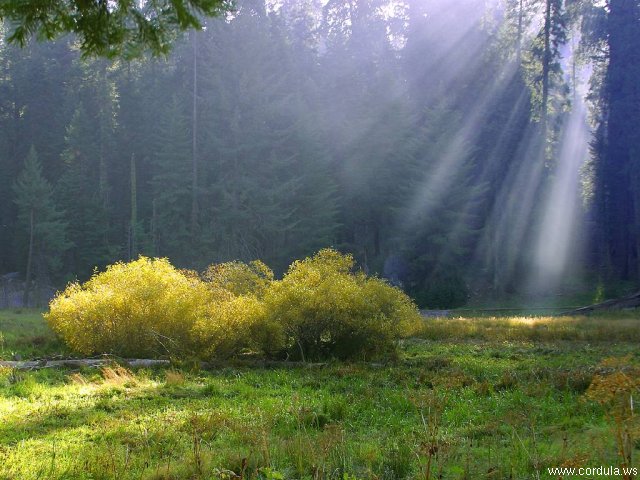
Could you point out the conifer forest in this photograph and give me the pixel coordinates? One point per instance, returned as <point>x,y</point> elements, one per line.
<point>456,148</point>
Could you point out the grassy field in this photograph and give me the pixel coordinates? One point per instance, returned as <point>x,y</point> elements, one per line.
<point>495,398</point>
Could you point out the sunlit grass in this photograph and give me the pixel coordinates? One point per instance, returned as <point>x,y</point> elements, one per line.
<point>506,395</point>
<point>620,327</point>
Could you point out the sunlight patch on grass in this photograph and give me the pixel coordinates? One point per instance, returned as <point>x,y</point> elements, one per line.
<point>522,328</point>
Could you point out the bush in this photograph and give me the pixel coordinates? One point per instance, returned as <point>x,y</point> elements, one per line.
<point>237,322</point>
<point>328,311</point>
<point>320,309</point>
<point>235,325</point>
<point>142,308</point>
<point>240,278</point>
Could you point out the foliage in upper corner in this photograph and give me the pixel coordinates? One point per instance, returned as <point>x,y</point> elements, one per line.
<point>121,28</point>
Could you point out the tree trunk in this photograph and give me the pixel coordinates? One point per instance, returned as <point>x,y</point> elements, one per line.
<point>194,138</point>
<point>618,161</point>
<point>103,182</point>
<point>27,283</point>
<point>546,64</point>
<point>154,228</point>
<point>630,301</point>
<point>133,243</point>
<point>520,23</point>
<point>376,239</point>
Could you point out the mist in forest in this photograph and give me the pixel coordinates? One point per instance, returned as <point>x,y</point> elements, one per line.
<point>461,149</point>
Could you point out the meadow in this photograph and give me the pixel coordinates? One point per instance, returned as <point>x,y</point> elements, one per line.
<point>467,398</point>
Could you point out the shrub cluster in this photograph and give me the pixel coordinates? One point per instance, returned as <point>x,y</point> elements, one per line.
<point>320,309</point>
<point>132,309</point>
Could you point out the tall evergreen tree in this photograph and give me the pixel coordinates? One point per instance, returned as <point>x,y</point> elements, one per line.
<point>171,184</point>
<point>77,193</point>
<point>618,144</point>
<point>41,221</point>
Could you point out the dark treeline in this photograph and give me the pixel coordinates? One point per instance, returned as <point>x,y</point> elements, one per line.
<point>423,137</point>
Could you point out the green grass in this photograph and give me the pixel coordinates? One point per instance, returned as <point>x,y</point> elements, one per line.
<point>472,405</point>
<point>23,333</point>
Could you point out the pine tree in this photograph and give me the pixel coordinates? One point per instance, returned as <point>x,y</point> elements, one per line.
<point>121,29</point>
<point>171,184</point>
<point>77,194</point>
<point>40,219</point>
<point>265,179</point>
<point>439,224</point>
<point>546,58</point>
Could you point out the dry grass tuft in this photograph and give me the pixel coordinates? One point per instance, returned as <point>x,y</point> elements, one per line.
<point>174,377</point>
<point>77,379</point>
<point>118,375</point>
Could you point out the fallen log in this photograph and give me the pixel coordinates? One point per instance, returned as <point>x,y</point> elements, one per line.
<point>145,363</point>
<point>80,363</point>
<point>630,301</point>
<point>435,313</point>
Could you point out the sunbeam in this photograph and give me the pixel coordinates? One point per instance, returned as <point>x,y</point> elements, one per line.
<point>556,248</point>
<point>447,165</point>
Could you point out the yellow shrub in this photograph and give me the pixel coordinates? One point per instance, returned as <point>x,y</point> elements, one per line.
<point>237,321</point>
<point>320,309</point>
<point>234,325</point>
<point>240,278</point>
<point>328,311</point>
<point>145,307</point>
